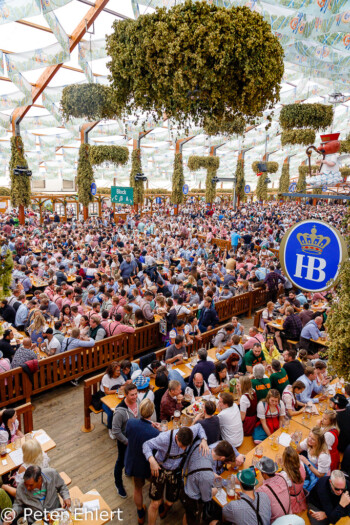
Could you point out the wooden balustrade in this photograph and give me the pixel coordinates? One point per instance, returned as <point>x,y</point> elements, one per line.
<point>59,369</point>
<point>25,417</point>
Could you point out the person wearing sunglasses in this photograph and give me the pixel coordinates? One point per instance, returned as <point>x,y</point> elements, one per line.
<point>329,500</point>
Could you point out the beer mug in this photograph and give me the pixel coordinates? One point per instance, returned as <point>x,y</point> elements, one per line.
<point>164,425</point>
<point>176,418</point>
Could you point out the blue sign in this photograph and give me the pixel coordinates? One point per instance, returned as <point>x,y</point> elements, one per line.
<point>93,189</point>
<point>158,200</point>
<point>185,189</point>
<point>324,188</point>
<point>311,253</point>
<point>247,188</point>
<point>292,187</point>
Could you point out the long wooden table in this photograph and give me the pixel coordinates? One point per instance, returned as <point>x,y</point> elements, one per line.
<point>10,465</point>
<point>98,517</point>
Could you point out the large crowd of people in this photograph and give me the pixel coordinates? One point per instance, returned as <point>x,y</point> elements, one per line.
<point>77,283</point>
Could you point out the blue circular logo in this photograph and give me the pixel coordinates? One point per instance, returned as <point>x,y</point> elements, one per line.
<point>247,188</point>
<point>292,187</point>
<point>185,189</point>
<point>311,253</point>
<point>93,188</point>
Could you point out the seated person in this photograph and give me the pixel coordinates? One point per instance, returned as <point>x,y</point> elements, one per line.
<point>172,400</point>
<point>278,378</point>
<point>199,386</point>
<point>269,350</point>
<point>253,357</point>
<point>175,352</point>
<point>260,382</point>
<point>218,381</point>
<point>271,413</point>
<point>210,422</point>
<point>317,458</point>
<point>329,500</point>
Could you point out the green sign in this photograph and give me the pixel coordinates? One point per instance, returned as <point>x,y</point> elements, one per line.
<point>120,195</point>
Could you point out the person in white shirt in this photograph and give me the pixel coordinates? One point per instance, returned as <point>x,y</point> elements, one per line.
<point>50,345</point>
<point>230,420</point>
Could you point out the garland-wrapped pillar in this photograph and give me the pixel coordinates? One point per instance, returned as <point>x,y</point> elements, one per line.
<point>283,185</point>
<point>261,189</point>
<point>20,184</point>
<point>178,175</point>
<point>177,183</point>
<point>85,177</point>
<point>240,181</point>
<point>6,267</point>
<point>136,167</point>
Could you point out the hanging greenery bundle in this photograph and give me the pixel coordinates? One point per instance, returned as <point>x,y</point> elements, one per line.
<point>20,184</point>
<point>315,116</point>
<point>226,127</point>
<point>283,185</point>
<point>345,171</point>
<point>85,176</point>
<point>117,155</point>
<point>261,188</point>
<point>136,168</point>
<point>6,267</point>
<point>338,320</point>
<point>345,145</point>
<point>240,179</point>
<point>88,101</point>
<point>178,180</point>
<point>298,136</point>
<point>156,191</point>
<point>195,61</point>
<point>5,192</point>
<point>304,168</point>
<point>272,167</point>
<point>211,164</point>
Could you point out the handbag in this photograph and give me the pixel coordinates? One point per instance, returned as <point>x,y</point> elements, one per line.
<point>33,365</point>
<point>163,327</point>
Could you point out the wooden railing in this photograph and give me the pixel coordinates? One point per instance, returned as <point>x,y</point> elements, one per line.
<point>59,369</point>
<point>25,417</point>
<point>93,384</point>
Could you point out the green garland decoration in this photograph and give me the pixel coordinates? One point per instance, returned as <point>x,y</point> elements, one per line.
<point>5,192</point>
<point>195,61</point>
<point>136,167</point>
<point>157,191</point>
<point>20,184</point>
<point>85,176</point>
<point>117,155</point>
<point>6,267</point>
<point>298,136</point>
<point>272,167</point>
<point>240,179</point>
<point>283,185</point>
<point>345,145</point>
<point>213,126</point>
<point>203,190</point>
<point>88,101</point>
<point>315,116</point>
<point>345,171</point>
<point>261,188</point>
<point>178,180</point>
<point>338,320</point>
<point>211,164</point>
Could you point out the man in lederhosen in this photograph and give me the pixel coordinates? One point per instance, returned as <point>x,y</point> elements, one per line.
<point>166,455</point>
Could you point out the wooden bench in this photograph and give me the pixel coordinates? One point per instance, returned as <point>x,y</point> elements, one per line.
<point>65,478</point>
<point>257,319</point>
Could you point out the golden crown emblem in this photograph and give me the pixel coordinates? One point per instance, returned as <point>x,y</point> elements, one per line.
<point>312,243</point>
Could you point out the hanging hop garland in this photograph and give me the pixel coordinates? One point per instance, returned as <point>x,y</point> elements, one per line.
<point>261,188</point>
<point>88,101</point>
<point>298,136</point>
<point>118,155</point>
<point>6,268</point>
<point>195,61</point>
<point>283,186</point>
<point>85,176</point>
<point>315,116</point>
<point>240,179</point>
<point>272,167</point>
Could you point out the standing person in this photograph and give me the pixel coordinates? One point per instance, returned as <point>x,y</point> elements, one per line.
<point>208,317</point>
<point>294,473</point>
<point>272,280</point>
<point>339,403</point>
<point>21,313</point>
<point>252,508</point>
<point>276,488</point>
<point>198,473</point>
<point>126,410</point>
<point>166,455</point>
<point>137,432</point>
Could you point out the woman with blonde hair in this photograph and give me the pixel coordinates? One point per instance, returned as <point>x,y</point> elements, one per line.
<point>267,316</point>
<point>248,405</point>
<point>316,457</point>
<point>329,427</point>
<point>294,473</point>
<point>33,454</point>
<point>37,327</point>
